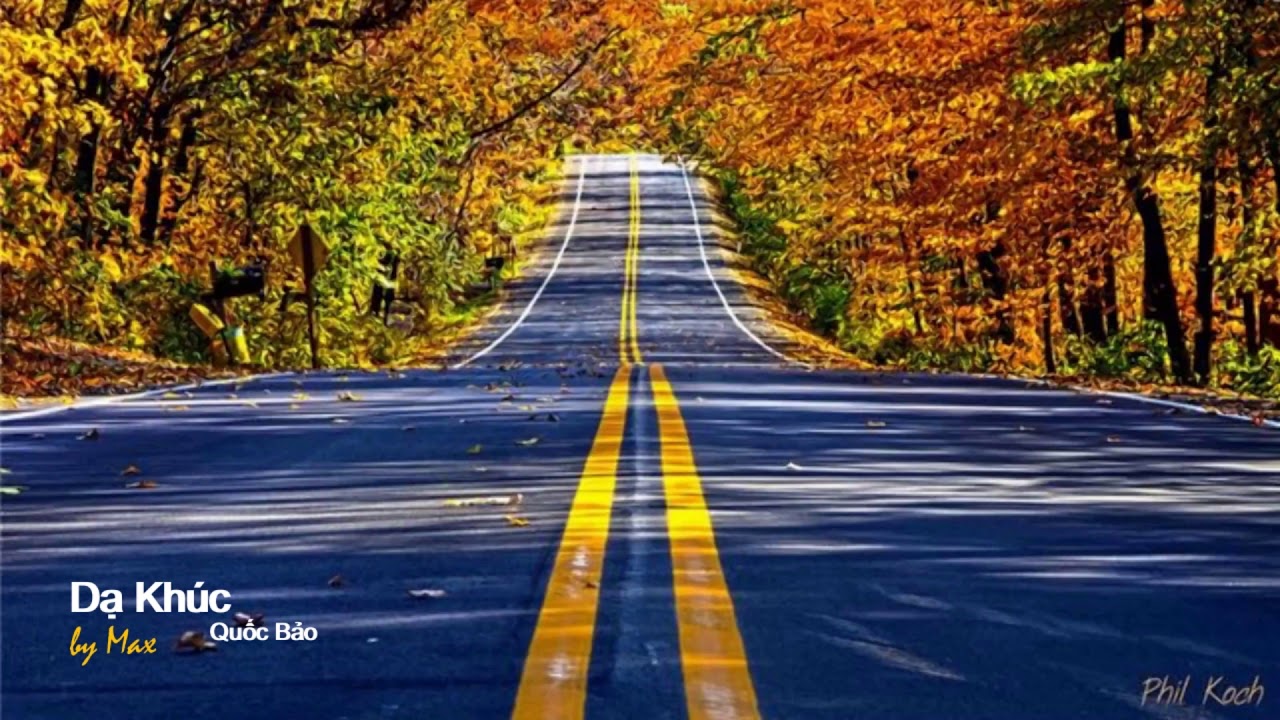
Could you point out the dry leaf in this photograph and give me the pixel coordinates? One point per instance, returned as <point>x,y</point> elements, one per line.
<point>194,641</point>
<point>131,470</point>
<point>1113,438</point>
<point>516,521</point>
<point>876,424</point>
<point>13,489</point>
<point>528,442</point>
<point>475,449</point>
<point>177,408</point>
<point>243,619</point>
<point>348,396</point>
<point>793,466</point>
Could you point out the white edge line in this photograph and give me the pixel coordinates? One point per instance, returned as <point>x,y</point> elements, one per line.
<point>1135,397</point>
<point>697,228</point>
<point>113,399</point>
<point>573,222</point>
<point>702,248</point>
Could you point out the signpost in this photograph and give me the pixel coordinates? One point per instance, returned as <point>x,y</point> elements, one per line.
<point>310,253</point>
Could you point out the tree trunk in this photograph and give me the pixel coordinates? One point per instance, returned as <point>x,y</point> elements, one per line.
<point>1110,297</point>
<point>98,89</point>
<point>154,183</point>
<point>1067,294</point>
<point>996,281</point>
<point>1046,309</point>
<point>1159,294</point>
<point>1207,228</point>
<point>1092,313</point>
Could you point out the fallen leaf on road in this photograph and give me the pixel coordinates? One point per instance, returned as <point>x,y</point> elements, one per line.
<point>295,406</point>
<point>528,442</point>
<point>194,641</point>
<point>131,470</point>
<point>516,521</point>
<point>337,581</point>
<point>300,396</point>
<point>91,434</point>
<point>348,396</point>
<point>232,396</point>
<point>876,424</point>
<point>170,396</point>
<point>177,408</point>
<point>249,403</point>
<point>427,594</point>
<point>1113,438</point>
<point>793,466</point>
<point>475,449</point>
<point>12,489</point>
<point>243,618</point>
<point>490,500</point>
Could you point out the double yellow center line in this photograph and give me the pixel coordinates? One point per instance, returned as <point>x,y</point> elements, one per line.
<point>713,659</point>
<point>628,342</point>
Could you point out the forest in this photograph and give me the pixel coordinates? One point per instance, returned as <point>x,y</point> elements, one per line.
<point>1085,189</point>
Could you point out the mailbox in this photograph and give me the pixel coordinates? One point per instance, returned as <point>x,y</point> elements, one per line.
<point>239,282</point>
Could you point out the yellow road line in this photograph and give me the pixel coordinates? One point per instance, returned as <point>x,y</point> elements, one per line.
<point>628,342</point>
<point>717,680</point>
<point>554,681</point>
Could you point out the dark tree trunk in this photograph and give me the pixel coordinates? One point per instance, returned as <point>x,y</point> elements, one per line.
<point>97,88</point>
<point>1250,322</point>
<point>1046,309</point>
<point>154,183</point>
<point>1092,313</point>
<point>996,280</point>
<point>1110,296</point>
<point>69,14</point>
<point>1159,295</point>
<point>1207,228</point>
<point>1067,294</point>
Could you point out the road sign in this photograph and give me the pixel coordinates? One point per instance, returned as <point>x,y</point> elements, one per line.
<point>306,237</point>
<point>310,252</point>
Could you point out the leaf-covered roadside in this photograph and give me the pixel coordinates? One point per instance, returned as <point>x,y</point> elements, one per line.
<point>53,368</point>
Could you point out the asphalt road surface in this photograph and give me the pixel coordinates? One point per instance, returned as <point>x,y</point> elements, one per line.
<point>704,530</point>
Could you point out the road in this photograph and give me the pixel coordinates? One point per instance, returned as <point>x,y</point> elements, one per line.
<point>705,529</point>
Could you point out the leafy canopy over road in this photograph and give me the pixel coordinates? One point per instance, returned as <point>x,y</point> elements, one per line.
<point>1073,186</point>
